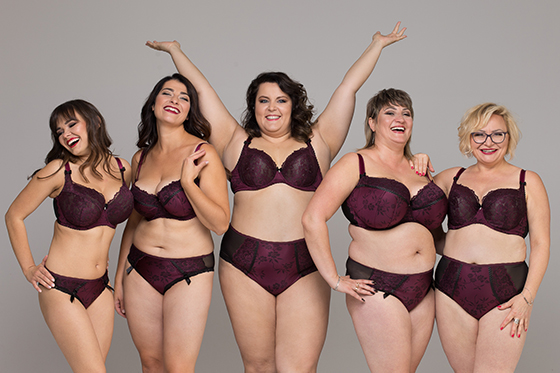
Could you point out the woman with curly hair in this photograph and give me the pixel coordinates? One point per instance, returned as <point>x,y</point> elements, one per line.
<point>277,301</point>
<point>89,187</point>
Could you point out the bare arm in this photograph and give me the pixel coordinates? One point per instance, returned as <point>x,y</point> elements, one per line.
<point>209,201</point>
<point>337,185</point>
<point>223,123</point>
<point>36,191</point>
<point>538,212</point>
<point>333,124</point>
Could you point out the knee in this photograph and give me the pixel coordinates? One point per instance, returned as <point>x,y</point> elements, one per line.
<point>260,366</point>
<point>177,367</point>
<point>151,364</point>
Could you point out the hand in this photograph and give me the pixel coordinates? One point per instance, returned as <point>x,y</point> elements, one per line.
<point>38,275</point>
<point>519,310</point>
<point>421,163</point>
<point>190,169</point>
<point>165,46</point>
<point>119,299</point>
<point>391,38</point>
<point>356,288</point>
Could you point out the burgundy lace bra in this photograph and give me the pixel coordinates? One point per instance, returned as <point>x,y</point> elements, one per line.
<point>256,170</point>
<point>504,210</point>
<point>378,203</point>
<point>79,207</point>
<point>170,202</point>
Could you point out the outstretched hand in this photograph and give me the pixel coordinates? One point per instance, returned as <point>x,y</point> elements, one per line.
<point>164,46</point>
<point>391,38</point>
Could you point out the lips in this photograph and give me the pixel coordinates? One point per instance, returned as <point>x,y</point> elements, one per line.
<point>72,142</point>
<point>397,129</point>
<point>488,151</point>
<point>272,117</point>
<point>171,109</point>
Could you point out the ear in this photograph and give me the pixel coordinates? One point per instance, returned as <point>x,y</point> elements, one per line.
<point>372,122</point>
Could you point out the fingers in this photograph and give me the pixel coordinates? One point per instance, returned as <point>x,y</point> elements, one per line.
<point>431,166</point>
<point>119,307</point>
<point>41,276</point>
<point>356,288</point>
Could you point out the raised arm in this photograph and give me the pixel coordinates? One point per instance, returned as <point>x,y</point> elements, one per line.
<point>223,123</point>
<point>334,122</point>
<point>538,212</point>
<point>36,191</point>
<point>334,189</point>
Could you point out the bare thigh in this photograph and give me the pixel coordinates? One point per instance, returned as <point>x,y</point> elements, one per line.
<point>392,339</point>
<point>144,314</point>
<point>84,336</point>
<point>185,311</point>
<point>497,350</point>
<point>458,332</point>
<point>302,318</point>
<point>252,311</point>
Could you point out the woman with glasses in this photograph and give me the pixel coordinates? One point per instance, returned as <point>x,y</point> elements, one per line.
<point>485,290</point>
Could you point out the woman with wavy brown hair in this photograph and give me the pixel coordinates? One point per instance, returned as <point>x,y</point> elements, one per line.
<point>163,284</point>
<point>89,187</point>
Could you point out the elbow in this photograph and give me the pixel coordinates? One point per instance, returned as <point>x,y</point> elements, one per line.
<point>222,225</point>
<point>308,222</point>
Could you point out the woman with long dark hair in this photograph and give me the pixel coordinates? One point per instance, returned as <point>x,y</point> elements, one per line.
<point>163,284</point>
<point>89,187</point>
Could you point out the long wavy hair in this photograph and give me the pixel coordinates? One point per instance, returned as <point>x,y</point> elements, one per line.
<point>390,96</point>
<point>302,109</point>
<point>98,138</point>
<point>195,124</point>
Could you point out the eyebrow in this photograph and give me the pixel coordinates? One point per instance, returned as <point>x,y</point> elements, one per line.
<point>172,90</point>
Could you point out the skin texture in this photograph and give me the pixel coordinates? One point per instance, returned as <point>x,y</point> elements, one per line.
<point>493,343</point>
<point>83,335</point>
<point>270,334</point>
<point>391,338</point>
<point>167,329</point>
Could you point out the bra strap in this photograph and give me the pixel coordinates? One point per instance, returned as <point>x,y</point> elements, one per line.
<point>362,165</point>
<point>456,177</point>
<point>522,182</point>
<point>142,155</point>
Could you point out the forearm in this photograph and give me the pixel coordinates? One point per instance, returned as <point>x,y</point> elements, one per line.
<point>20,243</point>
<point>213,215</point>
<point>538,263</point>
<point>317,238</point>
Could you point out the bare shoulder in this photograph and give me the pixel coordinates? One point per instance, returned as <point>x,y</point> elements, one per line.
<point>52,169</point>
<point>444,179</point>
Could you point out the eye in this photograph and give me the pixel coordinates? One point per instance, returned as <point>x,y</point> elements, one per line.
<point>282,100</point>
<point>165,93</point>
<point>185,98</point>
<point>406,114</point>
<point>479,135</point>
<point>72,124</point>
<point>263,101</point>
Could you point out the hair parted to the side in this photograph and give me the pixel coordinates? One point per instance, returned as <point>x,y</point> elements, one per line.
<point>478,117</point>
<point>302,109</point>
<point>98,138</point>
<point>195,124</point>
<point>390,96</point>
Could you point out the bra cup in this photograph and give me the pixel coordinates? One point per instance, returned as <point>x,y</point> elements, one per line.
<point>463,208</point>
<point>381,209</point>
<point>260,170</point>
<point>502,209</point>
<point>174,199</point>
<point>81,210</point>
<point>121,207</point>
<point>300,170</point>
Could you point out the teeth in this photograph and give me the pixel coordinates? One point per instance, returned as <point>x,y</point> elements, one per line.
<point>272,117</point>
<point>73,142</point>
<point>171,109</point>
<point>400,129</point>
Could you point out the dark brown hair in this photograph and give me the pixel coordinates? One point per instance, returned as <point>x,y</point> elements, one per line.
<point>302,109</point>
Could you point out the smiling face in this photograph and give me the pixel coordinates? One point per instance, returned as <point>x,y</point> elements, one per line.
<point>72,135</point>
<point>488,151</point>
<point>273,109</point>
<point>393,124</point>
<point>172,103</point>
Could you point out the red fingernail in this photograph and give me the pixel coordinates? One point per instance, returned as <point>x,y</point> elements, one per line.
<point>502,328</point>
<point>412,167</point>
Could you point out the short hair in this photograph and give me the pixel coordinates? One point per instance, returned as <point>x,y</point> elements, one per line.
<point>478,117</point>
<point>195,123</point>
<point>98,138</point>
<point>385,97</point>
<point>302,109</point>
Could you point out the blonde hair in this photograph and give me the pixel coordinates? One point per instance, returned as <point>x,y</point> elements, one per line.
<point>478,117</point>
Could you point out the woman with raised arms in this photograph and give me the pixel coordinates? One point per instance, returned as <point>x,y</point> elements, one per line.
<point>277,301</point>
<point>89,187</point>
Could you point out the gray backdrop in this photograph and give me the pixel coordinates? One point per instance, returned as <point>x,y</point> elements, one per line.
<point>457,54</point>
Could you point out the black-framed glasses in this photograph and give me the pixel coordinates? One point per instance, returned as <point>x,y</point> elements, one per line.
<point>496,137</point>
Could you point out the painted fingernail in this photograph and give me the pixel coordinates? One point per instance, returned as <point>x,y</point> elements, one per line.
<point>502,328</point>
<point>412,167</point>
